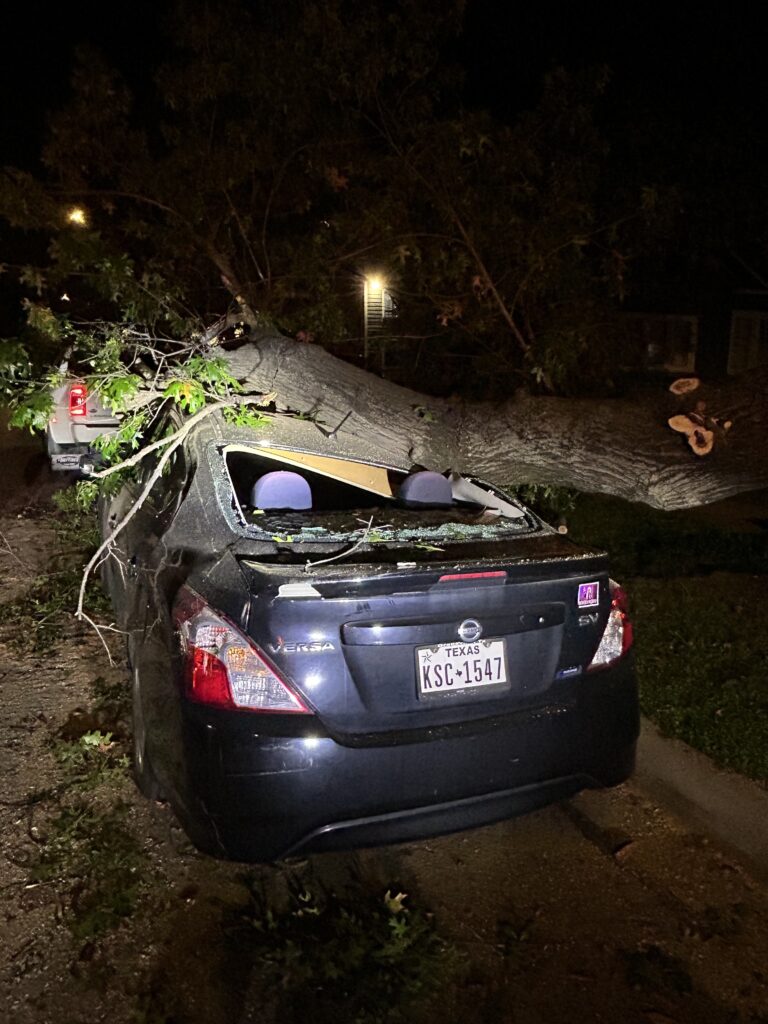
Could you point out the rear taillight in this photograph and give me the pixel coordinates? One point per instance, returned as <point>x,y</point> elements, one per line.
<point>77,396</point>
<point>222,667</point>
<point>617,636</point>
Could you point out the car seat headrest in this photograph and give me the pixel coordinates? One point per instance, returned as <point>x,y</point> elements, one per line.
<point>281,490</point>
<point>426,489</point>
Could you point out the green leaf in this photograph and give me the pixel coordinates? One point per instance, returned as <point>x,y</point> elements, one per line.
<point>394,904</point>
<point>118,392</point>
<point>32,412</point>
<point>188,394</point>
<point>245,416</point>
<point>41,318</point>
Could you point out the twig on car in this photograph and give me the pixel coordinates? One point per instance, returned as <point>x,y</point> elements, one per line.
<point>342,554</point>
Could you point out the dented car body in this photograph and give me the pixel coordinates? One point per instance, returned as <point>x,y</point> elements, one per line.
<point>329,652</point>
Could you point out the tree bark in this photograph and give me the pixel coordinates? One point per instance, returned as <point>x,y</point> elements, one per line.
<point>622,447</point>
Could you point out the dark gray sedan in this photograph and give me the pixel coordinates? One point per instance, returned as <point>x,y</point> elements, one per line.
<point>329,652</point>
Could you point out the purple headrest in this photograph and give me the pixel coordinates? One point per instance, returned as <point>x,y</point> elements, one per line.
<point>281,490</point>
<point>425,488</point>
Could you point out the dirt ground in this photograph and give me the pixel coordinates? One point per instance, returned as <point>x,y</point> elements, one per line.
<point>599,909</point>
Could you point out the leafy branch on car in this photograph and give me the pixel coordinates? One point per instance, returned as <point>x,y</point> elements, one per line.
<point>170,443</point>
<point>135,374</point>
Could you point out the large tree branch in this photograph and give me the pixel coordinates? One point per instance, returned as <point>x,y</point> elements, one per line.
<point>616,446</point>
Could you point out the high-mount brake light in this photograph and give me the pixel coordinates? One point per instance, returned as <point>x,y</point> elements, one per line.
<point>617,635</point>
<point>222,667</point>
<point>78,393</point>
<point>452,577</point>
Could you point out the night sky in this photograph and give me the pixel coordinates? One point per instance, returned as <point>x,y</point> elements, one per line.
<point>660,55</point>
<point>666,60</point>
<point>39,40</point>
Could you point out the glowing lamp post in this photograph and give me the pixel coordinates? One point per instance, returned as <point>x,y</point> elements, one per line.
<point>373,310</point>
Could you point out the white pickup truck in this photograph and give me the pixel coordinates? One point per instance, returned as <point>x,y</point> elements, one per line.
<point>78,418</point>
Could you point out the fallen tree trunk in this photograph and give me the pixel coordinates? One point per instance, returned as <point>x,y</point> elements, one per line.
<point>623,447</point>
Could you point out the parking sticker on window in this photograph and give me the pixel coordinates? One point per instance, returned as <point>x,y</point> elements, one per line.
<point>589,595</point>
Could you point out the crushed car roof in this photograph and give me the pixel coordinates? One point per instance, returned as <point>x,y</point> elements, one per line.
<point>282,431</point>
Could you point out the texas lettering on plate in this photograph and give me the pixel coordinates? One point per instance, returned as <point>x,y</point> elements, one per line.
<point>447,668</point>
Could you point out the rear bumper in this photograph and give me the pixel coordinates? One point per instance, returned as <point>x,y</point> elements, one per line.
<point>70,443</point>
<point>438,819</point>
<point>253,796</point>
<point>70,457</point>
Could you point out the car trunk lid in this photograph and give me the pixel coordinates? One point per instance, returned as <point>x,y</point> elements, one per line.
<point>349,638</point>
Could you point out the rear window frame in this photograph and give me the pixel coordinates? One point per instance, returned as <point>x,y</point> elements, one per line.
<point>229,501</point>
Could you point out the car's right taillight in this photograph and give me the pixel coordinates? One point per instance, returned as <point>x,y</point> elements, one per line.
<point>617,635</point>
<point>222,667</point>
<point>78,393</point>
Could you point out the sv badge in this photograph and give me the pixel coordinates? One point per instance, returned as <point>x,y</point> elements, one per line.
<point>588,619</point>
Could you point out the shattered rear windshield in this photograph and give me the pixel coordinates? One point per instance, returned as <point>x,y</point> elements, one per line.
<point>360,503</point>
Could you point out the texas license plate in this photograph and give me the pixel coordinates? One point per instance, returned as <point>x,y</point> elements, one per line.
<point>450,668</point>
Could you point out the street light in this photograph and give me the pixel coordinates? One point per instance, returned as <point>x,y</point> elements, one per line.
<point>76,215</point>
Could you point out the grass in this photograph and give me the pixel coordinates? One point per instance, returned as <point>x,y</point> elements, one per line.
<point>91,760</point>
<point>702,663</point>
<point>38,619</point>
<point>645,542</point>
<point>698,589</point>
<point>362,955</point>
<point>90,853</point>
<point>94,854</point>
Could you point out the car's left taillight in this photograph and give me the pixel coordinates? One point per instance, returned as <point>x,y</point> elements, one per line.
<point>222,667</point>
<point>617,635</point>
<point>78,393</point>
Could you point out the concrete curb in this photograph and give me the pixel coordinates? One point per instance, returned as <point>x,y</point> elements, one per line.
<point>727,806</point>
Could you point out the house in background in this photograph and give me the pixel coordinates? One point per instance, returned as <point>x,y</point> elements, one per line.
<point>663,342</point>
<point>726,335</point>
